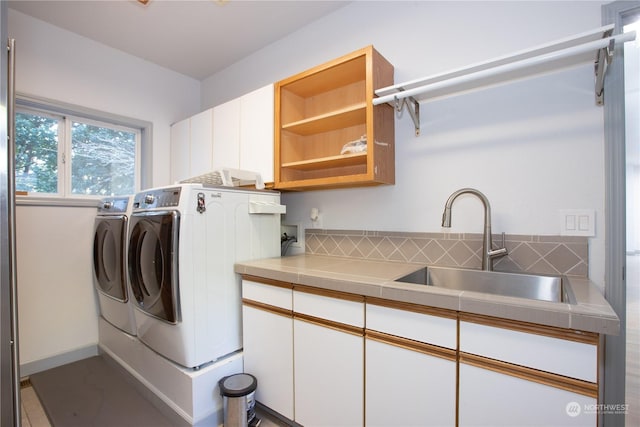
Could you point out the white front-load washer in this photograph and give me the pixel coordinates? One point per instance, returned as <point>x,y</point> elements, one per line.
<point>183,243</point>
<point>109,262</point>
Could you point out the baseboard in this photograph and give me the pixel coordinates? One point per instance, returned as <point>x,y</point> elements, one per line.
<point>31,368</point>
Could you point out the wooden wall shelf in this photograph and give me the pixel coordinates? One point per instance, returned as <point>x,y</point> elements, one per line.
<point>320,110</point>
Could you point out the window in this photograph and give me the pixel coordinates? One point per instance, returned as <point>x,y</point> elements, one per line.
<point>69,156</point>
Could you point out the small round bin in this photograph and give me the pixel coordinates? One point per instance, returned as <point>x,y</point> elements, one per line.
<point>238,393</point>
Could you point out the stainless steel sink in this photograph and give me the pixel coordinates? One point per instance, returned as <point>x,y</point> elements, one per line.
<point>531,286</point>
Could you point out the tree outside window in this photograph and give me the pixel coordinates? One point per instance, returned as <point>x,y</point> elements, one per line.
<point>90,159</point>
<point>36,153</point>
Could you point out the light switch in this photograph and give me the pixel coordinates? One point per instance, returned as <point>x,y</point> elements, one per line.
<point>570,222</point>
<point>578,222</point>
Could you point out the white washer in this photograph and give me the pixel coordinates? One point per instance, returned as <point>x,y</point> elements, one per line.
<point>109,262</point>
<point>183,243</point>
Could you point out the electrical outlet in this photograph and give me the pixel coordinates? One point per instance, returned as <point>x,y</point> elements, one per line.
<point>578,222</point>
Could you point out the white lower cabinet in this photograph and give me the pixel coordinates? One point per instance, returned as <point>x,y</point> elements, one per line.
<point>521,374</point>
<point>328,376</point>
<point>318,363</point>
<point>490,398</point>
<point>410,368</point>
<point>328,360</point>
<point>407,387</point>
<point>268,343</point>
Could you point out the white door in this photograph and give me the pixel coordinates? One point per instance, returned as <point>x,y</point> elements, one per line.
<point>201,142</point>
<point>329,371</point>
<point>488,398</point>
<point>256,132</point>
<point>180,150</point>
<point>268,355</point>
<point>226,135</point>
<point>406,387</point>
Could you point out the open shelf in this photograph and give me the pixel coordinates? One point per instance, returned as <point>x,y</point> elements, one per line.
<point>342,118</point>
<point>320,110</point>
<point>329,162</point>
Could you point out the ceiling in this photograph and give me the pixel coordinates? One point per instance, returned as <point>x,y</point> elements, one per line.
<point>196,38</point>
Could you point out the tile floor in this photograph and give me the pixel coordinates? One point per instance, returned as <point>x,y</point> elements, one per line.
<point>32,412</point>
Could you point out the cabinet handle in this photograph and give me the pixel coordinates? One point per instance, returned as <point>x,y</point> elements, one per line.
<point>267,307</point>
<point>573,385</point>
<point>341,327</point>
<point>411,345</point>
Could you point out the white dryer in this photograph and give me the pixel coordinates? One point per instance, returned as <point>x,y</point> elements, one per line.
<point>183,243</point>
<point>109,262</point>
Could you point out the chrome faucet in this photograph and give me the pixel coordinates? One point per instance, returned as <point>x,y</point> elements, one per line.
<point>488,254</point>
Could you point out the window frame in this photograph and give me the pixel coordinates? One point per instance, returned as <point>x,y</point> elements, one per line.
<point>70,113</point>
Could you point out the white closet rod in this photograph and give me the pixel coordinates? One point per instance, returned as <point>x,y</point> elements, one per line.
<point>513,66</point>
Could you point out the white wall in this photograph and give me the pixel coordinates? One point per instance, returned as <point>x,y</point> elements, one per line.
<point>533,147</point>
<point>57,305</point>
<point>60,65</point>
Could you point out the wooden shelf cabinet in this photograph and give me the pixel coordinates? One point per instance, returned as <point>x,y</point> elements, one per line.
<point>320,110</point>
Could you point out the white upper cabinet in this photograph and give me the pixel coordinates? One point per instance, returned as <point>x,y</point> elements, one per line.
<point>256,132</point>
<point>243,133</point>
<point>180,150</point>
<point>201,142</point>
<point>191,146</point>
<point>237,134</point>
<point>226,135</point>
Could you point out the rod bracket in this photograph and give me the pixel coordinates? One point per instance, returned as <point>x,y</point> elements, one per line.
<point>412,106</point>
<point>604,57</point>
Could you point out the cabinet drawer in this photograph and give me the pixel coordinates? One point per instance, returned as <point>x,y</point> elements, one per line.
<point>430,329</point>
<point>566,357</point>
<point>276,296</point>
<point>348,311</point>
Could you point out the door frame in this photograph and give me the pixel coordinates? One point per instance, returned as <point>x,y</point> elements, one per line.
<point>613,391</point>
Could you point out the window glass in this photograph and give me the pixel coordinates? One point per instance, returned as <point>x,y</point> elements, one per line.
<point>66,156</point>
<point>103,160</point>
<point>36,153</point>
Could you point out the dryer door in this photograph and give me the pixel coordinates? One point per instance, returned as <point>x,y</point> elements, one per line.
<point>153,263</point>
<point>109,241</point>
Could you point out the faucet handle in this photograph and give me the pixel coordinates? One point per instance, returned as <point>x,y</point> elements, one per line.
<point>493,253</point>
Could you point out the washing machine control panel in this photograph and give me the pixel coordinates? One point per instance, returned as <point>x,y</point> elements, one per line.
<point>161,198</point>
<point>113,205</point>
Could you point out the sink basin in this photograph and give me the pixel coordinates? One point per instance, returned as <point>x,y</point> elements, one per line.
<point>531,286</point>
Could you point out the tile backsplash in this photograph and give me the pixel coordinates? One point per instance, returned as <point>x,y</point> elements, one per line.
<point>566,255</point>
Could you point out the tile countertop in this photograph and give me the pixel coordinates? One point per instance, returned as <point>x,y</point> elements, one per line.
<point>592,313</point>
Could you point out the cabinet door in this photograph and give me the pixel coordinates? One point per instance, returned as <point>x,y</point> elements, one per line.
<point>495,399</point>
<point>201,142</point>
<point>256,132</point>
<point>328,358</point>
<point>268,354</point>
<point>328,376</point>
<point>268,343</point>
<point>180,151</point>
<point>405,387</point>
<point>410,365</point>
<point>226,135</point>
